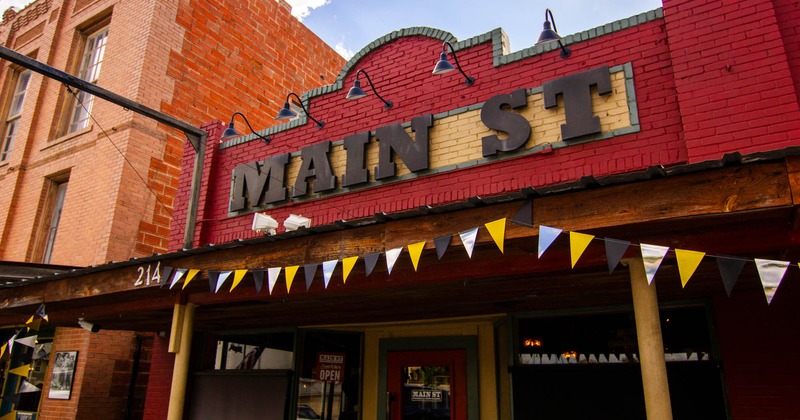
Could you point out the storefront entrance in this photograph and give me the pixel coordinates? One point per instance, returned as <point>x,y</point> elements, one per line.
<point>426,385</point>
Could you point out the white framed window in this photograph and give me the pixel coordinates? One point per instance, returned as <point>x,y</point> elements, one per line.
<point>89,70</point>
<point>14,112</point>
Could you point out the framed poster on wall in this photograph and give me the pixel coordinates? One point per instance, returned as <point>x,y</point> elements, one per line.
<point>63,374</point>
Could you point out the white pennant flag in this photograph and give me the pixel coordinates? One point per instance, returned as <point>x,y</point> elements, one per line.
<point>546,237</point>
<point>177,277</point>
<point>652,255</point>
<point>327,270</point>
<point>468,238</point>
<point>391,257</point>
<point>222,277</point>
<point>771,273</point>
<point>272,277</point>
<point>27,341</point>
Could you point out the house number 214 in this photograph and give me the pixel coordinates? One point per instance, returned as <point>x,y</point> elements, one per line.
<point>148,275</point>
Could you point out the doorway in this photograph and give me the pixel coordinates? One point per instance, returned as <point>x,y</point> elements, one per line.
<point>426,385</point>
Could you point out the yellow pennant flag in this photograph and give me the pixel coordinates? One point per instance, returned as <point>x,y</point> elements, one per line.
<point>29,321</point>
<point>415,250</point>
<point>498,231</point>
<point>687,263</point>
<point>10,416</point>
<point>21,371</point>
<point>35,325</point>
<point>192,273</point>
<point>238,275</point>
<point>347,265</point>
<point>577,244</point>
<point>290,272</point>
<point>3,349</point>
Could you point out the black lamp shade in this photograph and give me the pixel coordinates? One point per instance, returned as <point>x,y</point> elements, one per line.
<point>548,34</point>
<point>230,132</point>
<point>356,92</point>
<point>443,66</point>
<point>286,113</point>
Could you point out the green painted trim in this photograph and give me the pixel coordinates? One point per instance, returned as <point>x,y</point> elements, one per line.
<point>468,343</point>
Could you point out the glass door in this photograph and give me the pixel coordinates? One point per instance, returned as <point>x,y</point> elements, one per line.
<point>426,385</point>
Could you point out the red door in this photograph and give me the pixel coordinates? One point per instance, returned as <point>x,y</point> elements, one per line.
<point>427,385</point>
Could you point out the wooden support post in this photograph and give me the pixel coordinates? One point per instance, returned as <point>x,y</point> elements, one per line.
<point>651,345</point>
<point>180,372</point>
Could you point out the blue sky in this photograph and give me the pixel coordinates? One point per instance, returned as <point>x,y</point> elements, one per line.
<point>349,25</point>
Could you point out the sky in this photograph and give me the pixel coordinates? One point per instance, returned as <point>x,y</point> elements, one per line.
<point>350,25</point>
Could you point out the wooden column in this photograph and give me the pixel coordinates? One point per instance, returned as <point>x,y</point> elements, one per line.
<point>651,344</point>
<point>182,326</point>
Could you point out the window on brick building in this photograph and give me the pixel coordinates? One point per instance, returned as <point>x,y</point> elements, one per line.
<point>91,60</point>
<point>16,101</point>
<point>54,194</point>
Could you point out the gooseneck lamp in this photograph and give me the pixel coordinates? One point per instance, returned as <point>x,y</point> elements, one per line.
<point>356,92</point>
<point>231,132</point>
<point>550,34</point>
<point>287,113</point>
<point>444,66</point>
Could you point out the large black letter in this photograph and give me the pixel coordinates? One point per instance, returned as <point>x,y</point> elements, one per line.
<point>315,165</point>
<point>577,91</point>
<point>251,179</point>
<point>517,127</point>
<point>414,153</point>
<point>356,170</point>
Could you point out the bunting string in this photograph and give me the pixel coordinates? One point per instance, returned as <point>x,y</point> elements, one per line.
<point>771,272</point>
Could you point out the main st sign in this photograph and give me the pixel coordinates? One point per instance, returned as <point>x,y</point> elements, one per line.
<point>263,183</point>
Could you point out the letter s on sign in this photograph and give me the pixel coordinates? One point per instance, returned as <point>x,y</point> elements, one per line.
<point>517,127</point>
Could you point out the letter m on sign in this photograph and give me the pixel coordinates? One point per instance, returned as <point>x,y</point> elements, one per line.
<point>258,183</point>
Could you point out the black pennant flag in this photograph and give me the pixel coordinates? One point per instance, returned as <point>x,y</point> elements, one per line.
<point>524,216</point>
<point>729,270</point>
<point>258,279</point>
<point>310,271</point>
<point>213,276</point>
<point>442,243</point>
<point>370,260</point>
<point>615,249</point>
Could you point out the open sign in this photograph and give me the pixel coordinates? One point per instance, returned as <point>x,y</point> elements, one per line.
<point>330,367</point>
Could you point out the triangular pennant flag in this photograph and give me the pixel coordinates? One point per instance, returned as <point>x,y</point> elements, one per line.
<point>21,371</point>
<point>177,276</point>
<point>347,265</point>
<point>546,237</point>
<point>258,279</point>
<point>615,249</point>
<point>27,341</point>
<point>498,231</point>
<point>35,325</point>
<point>27,387</point>
<point>13,414</point>
<point>41,313</point>
<point>3,349</point>
<point>729,270</point>
<point>29,321</point>
<point>468,239</point>
<point>415,250</point>
<point>652,255</point>
<point>524,216</point>
<point>13,399</point>
<point>213,276</point>
<point>11,342</point>
<point>327,270</point>
<point>310,271</point>
<point>687,263</point>
<point>442,243</point>
<point>238,275</point>
<point>771,273</point>
<point>290,273</point>
<point>165,273</point>
<point>577,245</point>
<point>272,277</point>
<point>221,280</point>
<point>391,257</point>
<point>370,260</point>
<point>189,277</point>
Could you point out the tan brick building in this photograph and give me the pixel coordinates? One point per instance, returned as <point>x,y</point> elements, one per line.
<point>84,181</point>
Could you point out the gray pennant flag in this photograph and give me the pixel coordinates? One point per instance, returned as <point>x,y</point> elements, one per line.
<point>729,270</point>
<point>370,260</point>
<point>442,243</point>
<point>258,279</point>
<point>615,249</point>
<point>310,271</point>
<point>213,276</point>
<point>524,216</point>
<point>165,275</point>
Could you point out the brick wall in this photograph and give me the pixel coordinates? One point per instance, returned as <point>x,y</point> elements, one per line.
<point>102,374</point>
<point>158,388</point>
